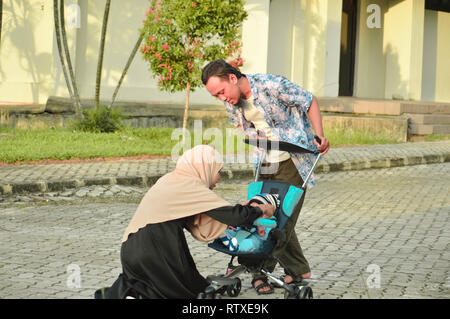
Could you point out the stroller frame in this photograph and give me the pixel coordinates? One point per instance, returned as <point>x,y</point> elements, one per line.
<point>230,282</point>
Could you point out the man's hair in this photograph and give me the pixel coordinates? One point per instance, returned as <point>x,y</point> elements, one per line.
<point>219,68</point>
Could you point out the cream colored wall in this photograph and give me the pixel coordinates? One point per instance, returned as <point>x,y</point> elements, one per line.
<point>370,62</point>
<point>139,84</point>
<point>429,55</point>
<point>436,62</point>
<point>316,45</point>
<point>279,58</point>
<point>443,60</point>
<point>333,48</point>
<point>403,48</point>
<point>26,60</point>
<point>255,36</point>
<point>30,69</point>
<point>306,48</point>
<point>125,18</point>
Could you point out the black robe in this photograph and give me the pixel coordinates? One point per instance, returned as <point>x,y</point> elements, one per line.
<point>156,262</point>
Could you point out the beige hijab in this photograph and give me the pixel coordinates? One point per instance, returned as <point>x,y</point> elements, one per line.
<point>184,192</point>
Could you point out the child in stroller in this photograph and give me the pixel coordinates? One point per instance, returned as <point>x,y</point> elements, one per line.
<point>251,255</point>
<point>251,239</point>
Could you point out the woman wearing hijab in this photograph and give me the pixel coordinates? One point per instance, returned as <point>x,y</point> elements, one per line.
<point>155,257</point>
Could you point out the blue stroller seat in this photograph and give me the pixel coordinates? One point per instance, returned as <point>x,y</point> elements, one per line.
<point>289,196</point>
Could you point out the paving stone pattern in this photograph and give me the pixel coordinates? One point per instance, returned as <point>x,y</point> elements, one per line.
<point>378,233</point>
<point>16,179</point>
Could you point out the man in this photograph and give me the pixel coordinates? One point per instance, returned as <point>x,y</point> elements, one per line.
<point>272,107</point>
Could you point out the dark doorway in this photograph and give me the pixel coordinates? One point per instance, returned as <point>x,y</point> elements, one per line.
<point>348,44</point>
<point>438,5</point>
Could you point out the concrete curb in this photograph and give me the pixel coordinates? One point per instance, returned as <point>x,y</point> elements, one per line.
<point>148,180</point>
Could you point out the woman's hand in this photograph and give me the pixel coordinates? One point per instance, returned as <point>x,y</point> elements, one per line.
<point>267,209</point>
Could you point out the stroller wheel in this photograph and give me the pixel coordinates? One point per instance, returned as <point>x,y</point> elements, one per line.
<point>235,289</point>
<point>305,292</point>
<point>300,292</point>
<point>212,295</point>
<point>201,295</point>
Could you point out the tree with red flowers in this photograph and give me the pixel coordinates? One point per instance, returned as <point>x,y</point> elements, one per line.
<point>180,36</point>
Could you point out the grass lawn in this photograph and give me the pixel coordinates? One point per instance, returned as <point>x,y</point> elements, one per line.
<point>61,144</point>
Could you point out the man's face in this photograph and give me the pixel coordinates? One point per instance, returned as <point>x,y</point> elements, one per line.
<point>226,90</point>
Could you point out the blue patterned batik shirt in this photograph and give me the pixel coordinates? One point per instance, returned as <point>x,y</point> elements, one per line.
<point>284,106</point>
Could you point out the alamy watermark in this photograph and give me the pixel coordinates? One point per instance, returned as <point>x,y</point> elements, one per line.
<point>232,145</point>
<point>73,276</point>
<point>374,279</point>
<point>73,16</point>
<point>374,19</point>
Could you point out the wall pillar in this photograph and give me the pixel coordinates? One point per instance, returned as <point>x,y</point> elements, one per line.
<point>255,36</point>
<point>316,46</point>
<point>403,49</point>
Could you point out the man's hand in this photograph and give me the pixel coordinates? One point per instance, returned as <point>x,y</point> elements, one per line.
<point>316,121</point>
<point>324,145</point>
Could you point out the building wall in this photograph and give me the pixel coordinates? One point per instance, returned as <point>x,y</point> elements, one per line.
<point>442,59</point>
<point>255,36</point>
<point>406,57</point>
<point>370,61</point>
<point>304,43</point>
<point>26,61</point>
<point>403,48</point>
<point>279,58</point>
<point>125,19</point>
<point>429,56</point>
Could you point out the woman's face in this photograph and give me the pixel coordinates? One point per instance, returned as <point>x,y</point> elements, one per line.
<point>215,180</point>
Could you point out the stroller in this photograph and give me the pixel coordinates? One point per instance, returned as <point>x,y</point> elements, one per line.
<point>253,261</point>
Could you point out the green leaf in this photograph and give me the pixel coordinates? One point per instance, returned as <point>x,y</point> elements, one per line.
<point>210,26</point>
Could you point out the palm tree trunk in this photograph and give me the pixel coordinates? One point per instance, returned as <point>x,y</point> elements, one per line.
<point>100,55</point>
<point>124,73</point>
<point>60,51</point>
<point>69,61</point>
<point>1,15</point>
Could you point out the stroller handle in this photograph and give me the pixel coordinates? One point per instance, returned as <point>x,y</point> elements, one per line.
<point>281,145</point>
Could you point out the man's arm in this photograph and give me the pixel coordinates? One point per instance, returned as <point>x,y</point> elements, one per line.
<point>293,95</point>
<point>316,121</point>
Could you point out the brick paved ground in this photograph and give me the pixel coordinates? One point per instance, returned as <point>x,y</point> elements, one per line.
<point>355,225</point>
<point>56,177</point>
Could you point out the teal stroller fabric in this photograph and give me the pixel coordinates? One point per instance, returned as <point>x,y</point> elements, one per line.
<point>250,243</point>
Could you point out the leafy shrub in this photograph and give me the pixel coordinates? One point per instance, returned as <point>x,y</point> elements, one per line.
<point>101,120</point>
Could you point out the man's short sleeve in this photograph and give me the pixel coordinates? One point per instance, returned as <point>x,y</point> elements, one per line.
<point>291,94</point>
